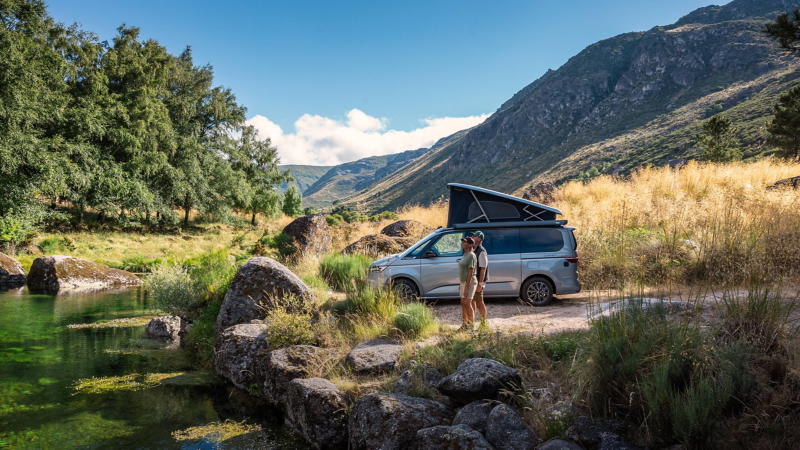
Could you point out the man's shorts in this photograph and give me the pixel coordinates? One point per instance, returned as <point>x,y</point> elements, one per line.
<point>471,292</point>
<point>479,295</point>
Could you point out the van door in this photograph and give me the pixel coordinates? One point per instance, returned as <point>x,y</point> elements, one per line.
<point>543,251</point>
<point>502,247</point>
<point>440,269</point>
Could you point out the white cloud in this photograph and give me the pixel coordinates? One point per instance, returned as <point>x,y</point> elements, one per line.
<point>319,140</point>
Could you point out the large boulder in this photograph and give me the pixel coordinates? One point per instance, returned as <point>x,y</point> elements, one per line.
<point>67,272</point>
<point>374,245</point>
<point>311,234</point>
<point>478,379</point>
<point>376,356</point>
<point>456,437</point>
<point>407,229</point>
<point>165,327</point>
<point>11,272</point>
<point>284,365</point>
<point>559,444</point>
<point>544,193</point>
<point>316,409</point>
<point>505,430</point>
<point>428,375</point>
<point>787,183</point>
<point>237,354</point>
<point>391,421</point>
<point>256,287</point>
<point>475,415</point>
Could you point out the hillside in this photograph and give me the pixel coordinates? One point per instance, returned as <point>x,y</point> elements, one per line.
<point>345,180</point>
<point>634,99</point>
<point>304,176</point>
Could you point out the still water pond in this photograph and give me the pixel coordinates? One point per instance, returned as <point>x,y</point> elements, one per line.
<point>157,391</point>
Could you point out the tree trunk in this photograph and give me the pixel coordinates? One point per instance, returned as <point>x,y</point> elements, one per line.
<point>101,218</point>
<point>186,206</point>
<point>253,221</point>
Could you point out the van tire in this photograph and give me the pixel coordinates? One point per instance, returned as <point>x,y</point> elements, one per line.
<point>537,291</point>
<point>407,289</point>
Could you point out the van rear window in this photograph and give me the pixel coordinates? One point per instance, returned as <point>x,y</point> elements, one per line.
<point>536,240</point>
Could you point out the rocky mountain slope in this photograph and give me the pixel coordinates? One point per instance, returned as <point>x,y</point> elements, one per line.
<point>637,98</point>
<point>342,181</point>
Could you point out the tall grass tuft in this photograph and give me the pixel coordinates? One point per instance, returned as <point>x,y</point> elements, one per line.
<point>760,318</point>
<point>413,319</point>
<point>340,270</point>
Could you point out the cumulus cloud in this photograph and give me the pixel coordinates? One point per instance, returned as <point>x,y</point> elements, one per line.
<point>319,140</point>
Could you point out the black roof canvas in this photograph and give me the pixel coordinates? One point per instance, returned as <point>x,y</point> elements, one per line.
<point>474,205</point>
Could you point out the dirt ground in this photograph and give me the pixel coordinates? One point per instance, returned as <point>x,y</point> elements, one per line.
<point>570,312</point>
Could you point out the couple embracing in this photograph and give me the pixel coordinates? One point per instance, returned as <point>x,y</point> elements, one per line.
<point>473,270</point>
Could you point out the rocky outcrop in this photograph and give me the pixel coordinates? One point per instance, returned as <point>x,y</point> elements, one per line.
<point>376,356</point>
<point>311,234</point>
<point>428,374</point>
<point>544,193</point>
<point>407,229</point>
<point>67,272</point>
<point>559,444</point>
<point>237,353</point>
<point>260,284</point>
<point>788,183</point>
<point>451,438</point>
<point>475,415</point>
<point>284,365</point>
<point>316,409</point>
<point>391,421</point>
<point>477,379</point>
<point>375,245</point>
<point>165,327</point>
<point>11,273</point>
<point>505,430</point>
<point>592,432</point>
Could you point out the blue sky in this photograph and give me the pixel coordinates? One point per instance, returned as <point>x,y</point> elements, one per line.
<point>367,75</point>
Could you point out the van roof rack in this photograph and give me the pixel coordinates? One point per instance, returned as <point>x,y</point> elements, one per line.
<point>518,224</point>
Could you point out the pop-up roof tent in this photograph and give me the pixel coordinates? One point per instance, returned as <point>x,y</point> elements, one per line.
<point>470,205</point>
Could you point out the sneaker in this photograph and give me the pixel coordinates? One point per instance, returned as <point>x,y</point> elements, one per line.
<point>464,327</point>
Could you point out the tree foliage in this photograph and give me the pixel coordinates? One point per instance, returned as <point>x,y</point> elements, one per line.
<point>785,30</point>
<point>292,202</point>
<point>784,129</point>
<point>719,140</point>
<point>122,127</point>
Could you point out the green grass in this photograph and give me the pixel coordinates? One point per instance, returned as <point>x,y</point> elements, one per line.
<point>341,271</point>
<point>413,319</point>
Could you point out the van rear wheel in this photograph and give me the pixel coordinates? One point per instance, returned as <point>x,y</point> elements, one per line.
<point>407,289</point>
<point>537,291</point>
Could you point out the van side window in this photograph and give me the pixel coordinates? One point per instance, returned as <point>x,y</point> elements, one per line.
<point>449,244</point>
<point>501,242</point>
<point>537,240</point>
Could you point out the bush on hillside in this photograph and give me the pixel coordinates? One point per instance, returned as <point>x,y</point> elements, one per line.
<point>413,318</point>
<point>341,271</point>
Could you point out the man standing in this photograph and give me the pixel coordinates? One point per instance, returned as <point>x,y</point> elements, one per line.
<point>482,274</point>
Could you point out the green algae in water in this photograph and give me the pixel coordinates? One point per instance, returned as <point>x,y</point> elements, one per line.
<point>216,431</point>
<point>128,322</point>
<point>81,430</point>
<point>135,381</point>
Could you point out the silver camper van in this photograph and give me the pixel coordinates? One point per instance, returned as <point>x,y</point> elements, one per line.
<point>531,254</point>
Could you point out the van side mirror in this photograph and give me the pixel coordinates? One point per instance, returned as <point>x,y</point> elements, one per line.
<point>430,254</point>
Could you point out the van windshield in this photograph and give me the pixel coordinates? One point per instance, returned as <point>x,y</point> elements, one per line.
<point>419,246</point>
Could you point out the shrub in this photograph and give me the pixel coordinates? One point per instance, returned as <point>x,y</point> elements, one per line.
<point>172,289</point>
<point>377,303</point>
<point>413,318</point>
<point>200,340</point>
<point>212,273</point>
<point>13,231</point>
<point>50,245</point>
<point>281,242</point>
<point>340,270</point>
<point>287,328</point>
<point>332,221</point>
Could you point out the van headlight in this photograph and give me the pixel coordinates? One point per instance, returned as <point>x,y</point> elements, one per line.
<point>377,269</point>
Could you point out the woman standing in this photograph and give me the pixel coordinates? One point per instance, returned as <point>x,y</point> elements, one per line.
<point>466,272</point>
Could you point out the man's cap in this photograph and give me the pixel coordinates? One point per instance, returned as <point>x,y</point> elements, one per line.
<point>468,240</point>
<point>477,233</point>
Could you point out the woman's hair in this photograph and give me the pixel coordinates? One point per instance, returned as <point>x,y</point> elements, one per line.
<point>469,241</point>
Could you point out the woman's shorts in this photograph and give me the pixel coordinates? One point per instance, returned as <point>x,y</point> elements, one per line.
<point>471,292</point>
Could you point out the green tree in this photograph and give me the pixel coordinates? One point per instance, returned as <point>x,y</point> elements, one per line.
<point>784,128</point>
<point>292,202</point>
<point>719,140</point>
<point>785,30</point>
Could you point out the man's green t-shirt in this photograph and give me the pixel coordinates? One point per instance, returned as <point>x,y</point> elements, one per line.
<point>469,261</point>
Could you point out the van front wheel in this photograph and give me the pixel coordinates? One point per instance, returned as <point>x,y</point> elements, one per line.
<point>407,289</point>
<point>537,291</point>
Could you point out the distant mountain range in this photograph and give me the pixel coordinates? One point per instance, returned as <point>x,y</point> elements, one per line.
<point>634,99</point>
